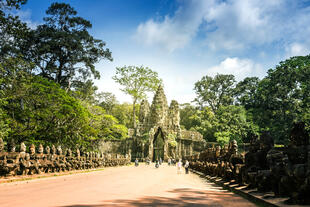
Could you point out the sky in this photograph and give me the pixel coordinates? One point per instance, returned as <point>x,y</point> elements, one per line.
<point>184,40</point>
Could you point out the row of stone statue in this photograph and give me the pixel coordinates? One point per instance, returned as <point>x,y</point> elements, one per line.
<point>285,171</point>
<point>52,160</point>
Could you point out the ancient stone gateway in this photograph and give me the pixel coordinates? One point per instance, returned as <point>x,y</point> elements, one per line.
<point>158,134</point>
<point>158,145</point>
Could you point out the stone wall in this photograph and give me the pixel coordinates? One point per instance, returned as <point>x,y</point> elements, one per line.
<point>48,160</point>
<point>115,146</point>
<point>283,171</point>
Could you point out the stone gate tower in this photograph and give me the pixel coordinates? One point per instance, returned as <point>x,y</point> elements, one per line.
<point>159,128</point>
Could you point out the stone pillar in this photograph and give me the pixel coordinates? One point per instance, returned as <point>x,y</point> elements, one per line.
<point>166,151</point>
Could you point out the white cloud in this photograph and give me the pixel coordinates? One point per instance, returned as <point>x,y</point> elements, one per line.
<point>297,49</point>
<point>25,16</point>
<point>240,68</point>
<point>173,32</point>
<point>228,25</point>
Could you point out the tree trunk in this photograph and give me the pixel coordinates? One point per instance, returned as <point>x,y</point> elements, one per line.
<point>134,114</point>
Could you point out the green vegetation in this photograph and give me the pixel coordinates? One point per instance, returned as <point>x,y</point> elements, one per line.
<point>47,94</point>
<point>228,110</point>
<point>136,82</point>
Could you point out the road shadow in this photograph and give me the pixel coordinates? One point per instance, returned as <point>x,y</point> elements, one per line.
<point>184,197</point>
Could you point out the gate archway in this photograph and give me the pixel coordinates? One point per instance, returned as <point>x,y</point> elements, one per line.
<point>158,145</point>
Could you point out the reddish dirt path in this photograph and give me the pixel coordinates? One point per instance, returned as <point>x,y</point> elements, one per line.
<point>122,186</point>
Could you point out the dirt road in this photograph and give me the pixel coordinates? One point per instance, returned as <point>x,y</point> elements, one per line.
<point>121,186</point>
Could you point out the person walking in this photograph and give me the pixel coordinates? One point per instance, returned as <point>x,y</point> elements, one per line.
<point>157,164</point>
<point>186,166</point>
<point>179,167</point>
<point>136,162</point>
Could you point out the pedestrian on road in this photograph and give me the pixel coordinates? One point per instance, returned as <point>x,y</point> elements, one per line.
<point>186,166</point>
<point>148,161</point>
<point>136,162</point>
<point>179,167</point>
<point>157,164</point>
<point>169,161</point>
<point>160,161</point>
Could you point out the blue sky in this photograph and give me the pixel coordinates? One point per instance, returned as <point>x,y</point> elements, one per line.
<point>184,40</point>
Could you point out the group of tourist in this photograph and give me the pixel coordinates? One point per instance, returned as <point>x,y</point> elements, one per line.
<point>170,162</point>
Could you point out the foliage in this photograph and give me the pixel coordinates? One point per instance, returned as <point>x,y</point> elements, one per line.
<point>13,32</point>
<point>252,105</point>
<point>245,92</point>
<point>111,129</point>
<point>186,112</point>
<point>108,101</point>
<point>203,122</point>
<point>136,82</point>
<point>62,48</point>
<point>172,140</point>
<point>215,92</point>
<point>123,112</point>
<point>283,97</point>
<point>37,69</point>
<point>38,110</point>
<point>222,137</point>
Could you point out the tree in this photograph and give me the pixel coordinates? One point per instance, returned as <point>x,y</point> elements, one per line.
<point>215,92</point>
<point>62,48</point>
<point>231,121</point>
<point>13,32</point>
<point>136,82</point>
<point>283,98</point>
<point>123,112</point>
<point>246,91</point>
<point>108,101</point>
<point>186,112</point>
<point>204,121</point>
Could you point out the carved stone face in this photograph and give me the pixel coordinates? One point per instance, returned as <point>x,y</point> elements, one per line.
<point>234,146</point>
<point>266,141</point>
<point>27,157</point>
<point>59,150</point>
<point>12,146</point>
<point>47,150</point>
<point>23,147</point>
<point>69,152</point>
<point>32,149</point>
<point>1,145</point>
<point>40,149</point>
<point>53,149</point>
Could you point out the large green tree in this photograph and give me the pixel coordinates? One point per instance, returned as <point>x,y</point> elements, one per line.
<point>245,92</point>
<point>13,32</point>
<point>136,82</point>
<point>215,92</point>
<point>108,101</point>
<point>62,48</point>
<point>283,97</point>
<point>186,112</point>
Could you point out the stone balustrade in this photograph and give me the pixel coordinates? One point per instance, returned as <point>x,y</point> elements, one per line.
<point>284,171</point>
<point>52,159</point>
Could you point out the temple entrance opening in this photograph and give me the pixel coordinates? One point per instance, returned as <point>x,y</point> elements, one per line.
<point>158,145</point>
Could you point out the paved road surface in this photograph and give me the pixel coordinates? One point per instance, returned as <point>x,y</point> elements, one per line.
<point>122,186</point>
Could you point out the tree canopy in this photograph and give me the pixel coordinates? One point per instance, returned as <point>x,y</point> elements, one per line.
<point>62,48</point>
<point>136,82</point>
<point>47,94</point>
